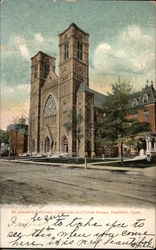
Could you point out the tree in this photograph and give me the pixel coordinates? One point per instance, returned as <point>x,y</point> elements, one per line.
<point>4,136</point>
<point>74,124</point>
<point>117,125</point>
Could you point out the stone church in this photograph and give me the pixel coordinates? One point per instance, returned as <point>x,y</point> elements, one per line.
<point>53,97</point>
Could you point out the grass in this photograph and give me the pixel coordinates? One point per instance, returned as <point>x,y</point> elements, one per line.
<point>132,164</point>
<point>71,160</point>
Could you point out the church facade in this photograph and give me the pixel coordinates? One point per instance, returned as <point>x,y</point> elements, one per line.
<point>53,97</point>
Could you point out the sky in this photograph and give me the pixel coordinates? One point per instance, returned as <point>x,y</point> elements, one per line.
<point>121,43</point>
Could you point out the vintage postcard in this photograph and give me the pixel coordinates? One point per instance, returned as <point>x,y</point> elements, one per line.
<point>78,124</point>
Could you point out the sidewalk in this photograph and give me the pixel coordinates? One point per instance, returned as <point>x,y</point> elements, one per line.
<point>94,166</point>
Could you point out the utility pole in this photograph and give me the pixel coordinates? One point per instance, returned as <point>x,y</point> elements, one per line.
<point>85,162</point>
<point>30,139</point>
<point>29,120</point>
<point>9,147</point>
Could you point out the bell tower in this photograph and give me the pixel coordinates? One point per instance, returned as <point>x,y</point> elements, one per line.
<point>73,43</point>
<point>41,64</point>
<point>73,70</point>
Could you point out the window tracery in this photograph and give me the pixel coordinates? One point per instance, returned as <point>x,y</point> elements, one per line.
<point>79,48</point>
<point>46,68</point>
<point>66,49</point>
<point>50,106</point>
<point>35,70</point>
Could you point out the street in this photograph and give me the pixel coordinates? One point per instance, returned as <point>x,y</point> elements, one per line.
<point>43,184</point>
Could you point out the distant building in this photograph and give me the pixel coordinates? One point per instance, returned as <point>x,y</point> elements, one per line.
<point>18,133</point>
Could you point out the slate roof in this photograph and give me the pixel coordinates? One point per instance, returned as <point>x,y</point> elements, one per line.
<point>99,98</point>
<point>149,90</point>
<point>18,127</point>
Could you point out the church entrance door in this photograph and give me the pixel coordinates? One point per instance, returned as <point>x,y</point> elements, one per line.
<point>47,145</point>
<point>65,144</point>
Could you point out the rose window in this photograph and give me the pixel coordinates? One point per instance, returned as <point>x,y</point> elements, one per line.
<point>50,107</point>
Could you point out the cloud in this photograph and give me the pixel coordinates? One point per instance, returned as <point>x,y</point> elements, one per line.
<point>71,1</point>
<point>28,47</point>
<point>14,94</point>
<point>39,38</point>
<point>14,100</point>
<point>24,51</point>
<point>131,52</point>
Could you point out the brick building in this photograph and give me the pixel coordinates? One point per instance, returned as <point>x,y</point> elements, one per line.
<point>145,101</point>
<point>18,133</point>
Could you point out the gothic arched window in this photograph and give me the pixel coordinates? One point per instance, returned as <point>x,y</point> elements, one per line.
<point>88,114</point>
<point>79,48</point>
<point>80,72</point>
<point>50,106</point>
<point>46,68</point>
<point>64,108</point>
<point>35,70</point>
<point>66,49</point>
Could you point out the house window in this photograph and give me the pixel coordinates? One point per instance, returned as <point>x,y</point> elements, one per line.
<point>135,117</point>
<point>152,144</point>
<point>146,115</point>
<point>79,48</point>
<point>124,148</point>
<point>135,102</point>
<point>35,71</point>
<point>145,98</point>
<point>66,49</point>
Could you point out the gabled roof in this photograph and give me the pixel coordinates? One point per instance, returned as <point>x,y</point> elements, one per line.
<point>99,98</point>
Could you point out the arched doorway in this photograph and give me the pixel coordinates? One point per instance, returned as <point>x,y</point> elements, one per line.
<point>89,148</point>
<point>47,145</point>
<point>65,144</point>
